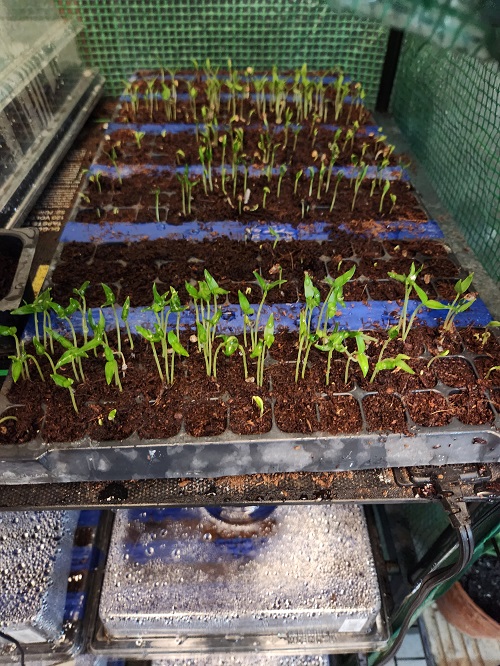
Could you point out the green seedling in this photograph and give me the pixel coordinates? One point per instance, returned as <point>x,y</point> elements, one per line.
<point>223,170</point>
<point>265,192</point>
<point>180,156</point>
<point>283,170</point>
<point>312,173</point>
<point>153,338</point>
<point>111,302</point>
<point>265,287</point>
<point>333,300</point>
<point>114,159</point>
<point>186,190</point>
<point>298,176</point>
<point>398,362</point>
<point>157,193</point>
<point>322,171</point>
<point>393,199</point>
<point>296,131</point>
<point>67,383</point>
<point>286,127</point>
<point>74,354</point>
<point>124,317</point>
<point>334,342</point>
<point>177,348</point>
<point>247,313</point>
<point>492,369</point>
<point>386,188</point>
<point>96,179</point>
<point>442,354</point>
<point>275,235</point>
<point>409,282</point>
<point>259,350</point>
<point>229,346</point>
<point>41,304</point>
<point>461,303</point>
<point>112,415</point>
<point>139,136</point>
<point>82,307</point>
<point>338,178</point>
<point>8,418</point>
<point>258,402</point>
<point>307,337</point>
<point>359,356</point>
<point>357,183</point>
<point>193,94</point>
<point>485,336</point>
<point>19,366</point>
<point>209,316</point>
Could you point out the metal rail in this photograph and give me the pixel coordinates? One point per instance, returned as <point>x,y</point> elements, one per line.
<point>472,482</point>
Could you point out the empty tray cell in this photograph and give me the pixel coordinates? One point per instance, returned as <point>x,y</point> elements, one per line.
<point>183,572</point>
<point>35,559</point>
<point>251,659</point>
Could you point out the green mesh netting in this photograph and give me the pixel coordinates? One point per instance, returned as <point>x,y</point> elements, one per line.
<point>471,26</point>
<point>448,107</point>
<point>122,35</point>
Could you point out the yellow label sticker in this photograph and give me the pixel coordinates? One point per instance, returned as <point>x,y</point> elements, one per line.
<point>39,278</point>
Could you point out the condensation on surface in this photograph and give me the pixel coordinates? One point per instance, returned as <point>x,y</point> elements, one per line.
<point>183,571</point>
<point>35,556</point>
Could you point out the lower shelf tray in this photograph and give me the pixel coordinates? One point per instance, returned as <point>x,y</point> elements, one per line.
<point>298,580</point>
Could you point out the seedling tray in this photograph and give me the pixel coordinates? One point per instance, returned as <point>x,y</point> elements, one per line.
<point>227,454</point>
<point>18,247</point>
<point>88,529</point>
<point>235,558</point>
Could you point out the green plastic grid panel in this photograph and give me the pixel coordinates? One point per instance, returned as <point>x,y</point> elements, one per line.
<point>448,106</point>
<point>123,35</point>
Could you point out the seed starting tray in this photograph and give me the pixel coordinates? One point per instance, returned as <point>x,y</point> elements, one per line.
<point>226,578</point>
<point>64,611</point>
<point>274,452</point>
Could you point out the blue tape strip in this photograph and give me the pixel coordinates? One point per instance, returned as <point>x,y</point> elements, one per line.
<point>389,173</point>
<point>225,97</point>
<point>356,315</point>
<point>190,128</point>
<point>127,232</point>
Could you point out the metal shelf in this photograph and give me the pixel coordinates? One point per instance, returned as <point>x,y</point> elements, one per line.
<point>426,484</point>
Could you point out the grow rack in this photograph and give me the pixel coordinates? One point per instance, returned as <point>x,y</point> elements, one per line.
<point>458,482</point>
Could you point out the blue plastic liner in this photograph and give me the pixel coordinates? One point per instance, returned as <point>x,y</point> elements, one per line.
<point>127,232</point>
<point>190,128</point>
<point>355,316</point>
<point>350,172</point>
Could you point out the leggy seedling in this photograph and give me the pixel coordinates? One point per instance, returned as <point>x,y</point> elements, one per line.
<point>266,288</point>
<point>259,350</point>
<point>461,302</point>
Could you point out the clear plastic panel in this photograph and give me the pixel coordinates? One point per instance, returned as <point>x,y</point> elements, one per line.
<point>187,572</point>
<point>35,559</point>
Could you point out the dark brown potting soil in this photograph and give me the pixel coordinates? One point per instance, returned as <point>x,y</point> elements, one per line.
<point>209,406</point>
